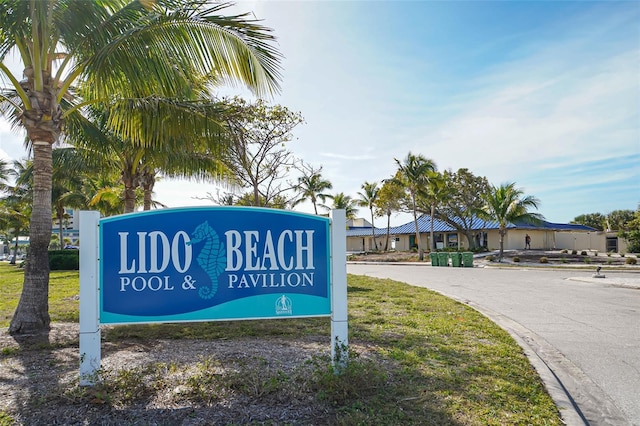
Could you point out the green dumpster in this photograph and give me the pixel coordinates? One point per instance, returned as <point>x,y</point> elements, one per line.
<point>467,259</point>
<point>443,259</point>
<point>456,259</point>
<point>434,259</point>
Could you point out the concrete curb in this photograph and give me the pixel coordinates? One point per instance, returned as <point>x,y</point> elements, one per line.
<point>557,372</point>
<point>569,411</point>
<point>554,369</point>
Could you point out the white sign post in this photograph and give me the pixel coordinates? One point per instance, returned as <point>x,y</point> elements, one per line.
<point>89,298</point>
<point>339,316</point>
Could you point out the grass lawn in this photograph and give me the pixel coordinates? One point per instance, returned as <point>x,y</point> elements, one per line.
<point>416,358</point>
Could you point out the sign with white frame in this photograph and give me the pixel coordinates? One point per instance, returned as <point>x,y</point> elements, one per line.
<point>209,264</point>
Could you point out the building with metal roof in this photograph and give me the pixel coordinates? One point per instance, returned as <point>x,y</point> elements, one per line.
<point>544,235</point>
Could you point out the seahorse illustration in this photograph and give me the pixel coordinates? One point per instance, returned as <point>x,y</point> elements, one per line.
<point>211,258</point>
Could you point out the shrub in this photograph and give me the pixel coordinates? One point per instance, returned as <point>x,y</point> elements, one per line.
<point>587,260</point>
<point>596,253</point>
<point>544,259</point>
<point>563,260</point>
<point>622,254</point>
<point>583,253</point>
<point>516,259</point>
<point>609,261</point>
<point>491,258</point>
<point>631,261</point>
<point>64,260</point>
<point>574,251</point>
<point>564,251</point>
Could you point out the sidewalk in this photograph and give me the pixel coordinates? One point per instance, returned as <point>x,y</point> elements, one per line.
<point>627,282</point>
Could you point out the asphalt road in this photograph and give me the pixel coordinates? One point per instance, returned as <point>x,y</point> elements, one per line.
<point>581,334</point>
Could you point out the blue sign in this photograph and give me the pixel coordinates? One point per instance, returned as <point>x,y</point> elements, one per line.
<point>220,263</point>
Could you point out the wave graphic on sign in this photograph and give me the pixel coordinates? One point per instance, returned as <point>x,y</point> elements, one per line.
<point>212,257</point>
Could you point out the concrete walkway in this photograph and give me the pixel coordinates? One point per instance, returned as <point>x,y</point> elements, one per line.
<point>582,334</point>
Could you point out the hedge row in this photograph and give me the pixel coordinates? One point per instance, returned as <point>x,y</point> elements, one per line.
<point>64,260</point>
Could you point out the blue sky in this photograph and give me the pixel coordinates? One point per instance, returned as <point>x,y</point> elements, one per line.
<point>544,94</point>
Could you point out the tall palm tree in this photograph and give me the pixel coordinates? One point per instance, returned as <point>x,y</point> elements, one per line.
<point>111,52</point>
<point>343,202</point>
<point>311,187</point>
<point>507,204</point>
<point>368,198</point>
<point>389,200</point>
<point>414,176</point>
<point>432,195</point>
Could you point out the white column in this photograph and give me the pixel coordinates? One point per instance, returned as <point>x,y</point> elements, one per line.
<point>339,326</point>
<point>89,298</point>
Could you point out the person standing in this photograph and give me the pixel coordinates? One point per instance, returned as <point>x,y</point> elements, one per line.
<point>527,242</point>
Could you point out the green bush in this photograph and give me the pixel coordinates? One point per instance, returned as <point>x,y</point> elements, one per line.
<point>587,260</point>
<point>631,261</point>
<point>64,260</point>
<point>516,259</point>
<point>544,259</point>
<point>564,251</point>
<point>490,258</point>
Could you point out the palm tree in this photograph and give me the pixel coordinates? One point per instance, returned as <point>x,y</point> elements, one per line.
<point>414,176</point>
<point>311,187</point>
<point>114,52</point>
<point>105,195</point>
<point>5,172</point>
<point>507,204</point>
<point>195,154</point>
<point>389,200</point>
<point>435,191</point>
<point>344,202</point>
<point>368,198</point>
<point>67,183</point>
<point>16,206</point>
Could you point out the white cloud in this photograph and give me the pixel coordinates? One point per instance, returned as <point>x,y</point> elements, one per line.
<point>567,96</point>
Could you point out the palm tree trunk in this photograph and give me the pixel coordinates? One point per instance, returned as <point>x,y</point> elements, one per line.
<point>15,250</point>
<point>415,222</point>
<point>502,232</point>
<point>147,199</point>
<point>129,198</point>
<point>386,244</point>
<point>60,229</point>
<point>373,233</point>
<point>130,182</point>
<point>32,313</point>
<point>432,243</point>
<point>147,181</point>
